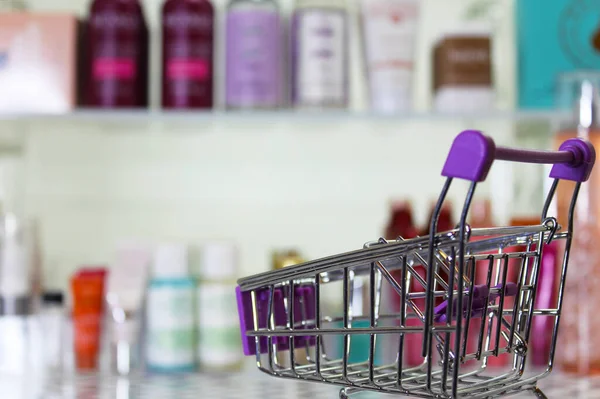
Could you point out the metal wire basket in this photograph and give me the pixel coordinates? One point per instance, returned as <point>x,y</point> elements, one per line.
<point>462,320</point>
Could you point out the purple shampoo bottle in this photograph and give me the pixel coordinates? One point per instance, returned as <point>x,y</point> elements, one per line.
<point>253,54</point>
<point>117,55</point>
<point>187,70</point>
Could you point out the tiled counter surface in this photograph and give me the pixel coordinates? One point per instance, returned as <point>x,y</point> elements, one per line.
<point>244,386</point>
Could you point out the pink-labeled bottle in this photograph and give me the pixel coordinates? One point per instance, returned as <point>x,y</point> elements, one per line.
<point>401,225</point>
<point>187,70</point>
<point>480,217</point>
<point>547,292</point>
<point>117,55</point>
<point>504,360</point>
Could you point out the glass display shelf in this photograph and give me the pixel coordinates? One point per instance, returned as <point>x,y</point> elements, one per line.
<point>248,385</point>
<point>139,115</point>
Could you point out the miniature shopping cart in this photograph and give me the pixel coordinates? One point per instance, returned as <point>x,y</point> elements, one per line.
<point>476,302</point>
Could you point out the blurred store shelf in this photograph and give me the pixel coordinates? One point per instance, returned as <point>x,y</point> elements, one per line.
<point>144,116</point>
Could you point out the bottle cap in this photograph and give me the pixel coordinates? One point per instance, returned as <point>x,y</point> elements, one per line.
<point>525,221</point>
<point>53,297</point>
<point>287,258</point>
<point>170,261</point>
<point>400,205</point>
<point>587,108</point>
<point>16,306</point>
<point>219,260</point>
<point>481,213</point>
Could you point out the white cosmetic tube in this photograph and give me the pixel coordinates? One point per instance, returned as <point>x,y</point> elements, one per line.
<point>389,39</point>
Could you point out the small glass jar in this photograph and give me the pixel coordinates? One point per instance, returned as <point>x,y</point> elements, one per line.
<point>52,316</point>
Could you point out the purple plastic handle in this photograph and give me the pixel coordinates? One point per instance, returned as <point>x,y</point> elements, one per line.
<point>473,153</point>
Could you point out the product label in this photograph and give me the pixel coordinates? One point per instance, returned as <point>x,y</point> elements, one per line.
<point>462,61</point>
<point>114,68</point>
<point>114,20</point>
<point>188,69</point>
<point>253,52</point>
<point>185,21</point>
<point>321,58</point>
<point>219,340</point>
<point>171,326</point>
<point>390,28</point>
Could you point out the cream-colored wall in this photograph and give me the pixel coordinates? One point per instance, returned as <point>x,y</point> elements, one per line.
<point>319,183</point>
<point>321,186</point>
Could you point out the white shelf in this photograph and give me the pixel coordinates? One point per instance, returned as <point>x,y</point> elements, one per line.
<point>133,115</point>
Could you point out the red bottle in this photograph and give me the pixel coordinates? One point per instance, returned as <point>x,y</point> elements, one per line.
<point>445,223</point>
<point>401,225</point>
<point>445,220</point>
<point>187,70</point>
<point>480,216</point>
<point>401,222</point>
<point>504,360</point>
<point>117,59</point>
<point>546,298</point>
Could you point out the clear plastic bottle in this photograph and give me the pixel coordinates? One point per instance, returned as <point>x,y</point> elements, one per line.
<point>219,344</point>
<point>53,323</point>
<point>320,54</point>
<point>253,54</point>
<point>578,345</point>
<point>170,315</point>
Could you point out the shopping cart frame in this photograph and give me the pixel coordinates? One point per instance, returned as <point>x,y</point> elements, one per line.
<point>280,312</point>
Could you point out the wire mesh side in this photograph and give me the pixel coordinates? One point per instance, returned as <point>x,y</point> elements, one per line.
<point>302,335</point>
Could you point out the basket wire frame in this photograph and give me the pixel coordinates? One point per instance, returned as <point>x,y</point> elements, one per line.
<point>455,352</point>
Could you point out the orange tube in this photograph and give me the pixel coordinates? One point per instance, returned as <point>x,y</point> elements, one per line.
<point>88,292</point>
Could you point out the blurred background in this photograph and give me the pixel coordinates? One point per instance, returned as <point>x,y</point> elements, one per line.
<point>152,152</point>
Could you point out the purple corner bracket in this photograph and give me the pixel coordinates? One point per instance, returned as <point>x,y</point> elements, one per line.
<point>584,156</point>
<point>470,157</point>
<point>304,310</point>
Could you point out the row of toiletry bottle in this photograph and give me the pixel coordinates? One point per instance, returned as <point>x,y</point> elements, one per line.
<point>190,323</point>
<point>117,59</point>
<point>159,316</point>
<point>258,74</point>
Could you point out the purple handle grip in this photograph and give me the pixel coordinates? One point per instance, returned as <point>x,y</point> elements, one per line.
<point>473,153</point>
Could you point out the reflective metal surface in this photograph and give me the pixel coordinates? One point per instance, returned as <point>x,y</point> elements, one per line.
<point>216,386</point>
